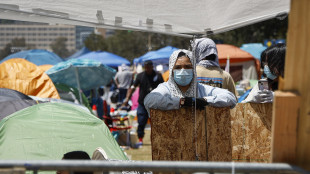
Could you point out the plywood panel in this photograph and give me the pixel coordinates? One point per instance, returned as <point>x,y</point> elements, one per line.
<point>257,125</point>
<point>219,146</point>
<point>172,135</point>
<point>242,134</point>
<point>237,132</point>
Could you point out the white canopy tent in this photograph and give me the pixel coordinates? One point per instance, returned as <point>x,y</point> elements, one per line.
<point>161,16</point>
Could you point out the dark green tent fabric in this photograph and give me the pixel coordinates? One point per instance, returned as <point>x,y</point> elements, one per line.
<point>49,130</point>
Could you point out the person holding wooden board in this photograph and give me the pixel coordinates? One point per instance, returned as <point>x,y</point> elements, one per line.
<point>179,90</point>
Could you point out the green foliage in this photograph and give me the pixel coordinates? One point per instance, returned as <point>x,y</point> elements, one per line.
<point>59,47</point>
<point>132,44</point>
<point>95,42</point>
<point>256,33</point>
<point>16,42</point>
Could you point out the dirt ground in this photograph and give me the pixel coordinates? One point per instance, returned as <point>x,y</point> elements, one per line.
<point>143,153</point>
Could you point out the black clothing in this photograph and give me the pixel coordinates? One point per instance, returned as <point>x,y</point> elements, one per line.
<point>147,83</point>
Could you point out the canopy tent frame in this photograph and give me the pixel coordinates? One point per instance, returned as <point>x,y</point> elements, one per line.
<point>40,13</point>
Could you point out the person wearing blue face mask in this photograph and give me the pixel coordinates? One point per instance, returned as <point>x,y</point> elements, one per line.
<point>179,90</point>
<point>272,63</point>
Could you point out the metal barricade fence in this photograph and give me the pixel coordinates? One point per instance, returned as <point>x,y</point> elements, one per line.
<point>152,166</point>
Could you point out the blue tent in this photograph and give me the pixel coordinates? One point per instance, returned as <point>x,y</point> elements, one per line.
<point>160,56</point>
<point>105,58</point>
<point>255,49</point>
<point>36,56</point>
<point>146,55</point>
<point>79,53</point>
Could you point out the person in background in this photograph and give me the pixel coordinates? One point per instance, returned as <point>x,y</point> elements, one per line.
<point>272,62</point>
<point>75,155</point>
<point>123,81</point>
<point>179,91</point>
<point>147,81</point>
<point>208,68</point>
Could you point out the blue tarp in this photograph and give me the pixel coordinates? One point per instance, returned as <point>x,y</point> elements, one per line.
<point>81,52</point>
<point>105,58</point>
<point>255,49</point>
<point>160,56</point>
<point>36,56</point>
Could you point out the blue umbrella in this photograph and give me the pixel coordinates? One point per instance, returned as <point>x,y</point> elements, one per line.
<point>79,53</point>
<point>83,74</point>
<point>36,56</point>
<point>255,49</point>
<point>160,56</point>
<point>105,58</point>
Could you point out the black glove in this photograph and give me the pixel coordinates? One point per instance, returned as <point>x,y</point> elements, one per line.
<point>201,103</point>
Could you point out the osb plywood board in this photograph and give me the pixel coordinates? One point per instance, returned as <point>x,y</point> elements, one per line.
<point>173,135</point>
<point>257,130</point>
<point>237,132</point>
<point>240,134</point>
<point>219,134</point>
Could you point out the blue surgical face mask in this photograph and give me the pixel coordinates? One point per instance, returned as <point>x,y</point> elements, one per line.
<point>182,76</point>
<point>268,73</point>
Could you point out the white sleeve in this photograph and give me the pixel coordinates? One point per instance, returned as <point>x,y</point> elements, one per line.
<point>160,98</point>
<point>219,97</point>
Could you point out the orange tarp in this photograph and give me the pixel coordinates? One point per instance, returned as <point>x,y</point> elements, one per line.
<point>25,77</point>
<point>45,67</point>
<point>235,54</point>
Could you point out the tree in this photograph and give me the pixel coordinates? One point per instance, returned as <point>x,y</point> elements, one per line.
<point>95,42</point>
<point>255,33</point>
<point>16,44</point>
<point>59,47</point>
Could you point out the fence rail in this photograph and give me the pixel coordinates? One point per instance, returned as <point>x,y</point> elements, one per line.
<point>154,166</point>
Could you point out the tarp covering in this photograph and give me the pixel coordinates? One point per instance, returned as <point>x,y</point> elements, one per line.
<point>105,58</point>
<point>27,78</point>
<point>36,56</point>
<point>255,49</point>
<point>45,67</point>
<point>47,131</point>
<point>234,53</point>
<point>79,53</point>
<point>160,56</point>
<point>162,16</point>
<point>243,64</point>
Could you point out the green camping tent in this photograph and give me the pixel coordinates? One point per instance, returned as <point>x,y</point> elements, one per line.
<point>49,130</point>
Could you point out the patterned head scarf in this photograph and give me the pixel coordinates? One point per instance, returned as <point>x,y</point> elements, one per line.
<point>204,47</point>
<point>175,91</point>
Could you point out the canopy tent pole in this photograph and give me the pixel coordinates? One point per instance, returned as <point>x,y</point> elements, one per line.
<point>78,83</point>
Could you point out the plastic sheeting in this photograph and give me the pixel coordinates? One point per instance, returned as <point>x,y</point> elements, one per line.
<point>162,16</point>
<point>47,131</point>
<point>27,78</point>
